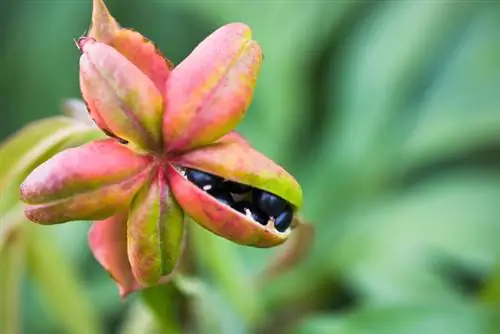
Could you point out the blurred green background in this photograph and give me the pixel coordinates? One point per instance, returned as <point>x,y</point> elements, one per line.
<point>388,114</point>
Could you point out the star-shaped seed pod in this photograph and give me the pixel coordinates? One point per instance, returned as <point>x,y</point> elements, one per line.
<point>172,153</point>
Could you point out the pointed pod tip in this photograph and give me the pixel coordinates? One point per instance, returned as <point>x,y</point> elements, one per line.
<point>28,214</point>
<point>99,7</point>
<point>104,27</point>
<point>28,192</point>
<point>238,28</point>
<point>36,214</point>
<point>236,32</point>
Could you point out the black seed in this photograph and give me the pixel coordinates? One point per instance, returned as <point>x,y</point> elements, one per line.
<point>203,180</point>
<point>256,214</point>
<point>282,222</point>
<point>268,203</point>
<point>236,188</point>
<point>222,196</point>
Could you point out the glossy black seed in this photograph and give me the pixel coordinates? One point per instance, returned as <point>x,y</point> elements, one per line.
<point>236,188</point>
<point>283,220</point>
<point>222,196</point>
<point>268,203</point>
<point>256,214</point>
<point>203,180</point>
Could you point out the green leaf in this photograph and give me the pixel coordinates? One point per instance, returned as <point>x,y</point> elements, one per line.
<point>459,113</point>
<point>392,250</point>
<point>456,319</point>
<point>211,311</point>
<point>378,79</point>
<point>224,265</point>
<point>377,86</point>
<point>12,243</point>
<point>59,285</point>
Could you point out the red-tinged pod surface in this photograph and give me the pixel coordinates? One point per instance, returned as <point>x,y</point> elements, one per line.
<point>209,92</point>
<point>131,44</point>
<point>120,97</point>
<point>143,54</point>
<point>232,158</point>
<point>219,218</point>
<point>89,182</point>
<point>108,242</point>
<point>154,232</point>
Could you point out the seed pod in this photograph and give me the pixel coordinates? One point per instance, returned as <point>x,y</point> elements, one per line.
<point>232,158</point>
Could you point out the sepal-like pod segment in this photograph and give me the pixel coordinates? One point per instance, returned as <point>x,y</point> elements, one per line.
<point>89,182</point>
<point>209,92</point>
<point>154,231</point>
<point>121,99</point>
<point>233,159</point>
<point>108,242</point>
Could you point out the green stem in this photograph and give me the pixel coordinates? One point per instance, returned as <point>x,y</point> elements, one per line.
<point>226,267</point>
<point>160,300</point>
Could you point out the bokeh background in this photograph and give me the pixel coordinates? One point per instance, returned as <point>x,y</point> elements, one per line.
<point>388,114</point>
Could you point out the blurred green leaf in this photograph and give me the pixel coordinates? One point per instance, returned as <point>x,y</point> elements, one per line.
<point>225,267</point>
<point>211,312</point>
<point>59,285</point>
<point>402,319</point>
<point>12,243</point>
<point>460,109</point>
<point>393,249</point>
<point>379,81</point>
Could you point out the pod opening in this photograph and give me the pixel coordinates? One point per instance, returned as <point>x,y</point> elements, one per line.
<point>256,204</point>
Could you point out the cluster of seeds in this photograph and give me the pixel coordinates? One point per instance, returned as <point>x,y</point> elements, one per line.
<point>256,204</point>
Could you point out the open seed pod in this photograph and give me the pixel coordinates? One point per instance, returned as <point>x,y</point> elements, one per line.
<point>226,208</point>
<point>171,154</point>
